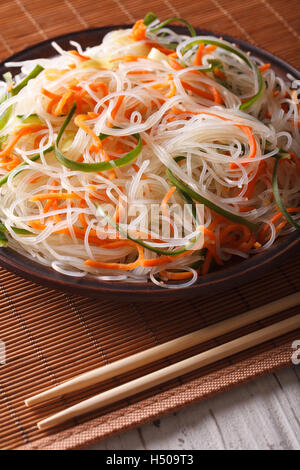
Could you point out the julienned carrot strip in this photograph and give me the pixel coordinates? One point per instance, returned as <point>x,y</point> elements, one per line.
<point>197,91</point>
<point>61,104</point>
<point>214,91</point>
<point>177,276</point>
<point>138,32</point>
<point>264,67</point>
<point>79,121</point>
<point>164,203</point>
<point>165,200</point>
<point>43,197</point>
<point>157,261</point>
<point>24,130</point>
<point>56,217</point>
<point>209,49</point>
<point>134,107</point>
<point>82,57</point>
<point>198,55</point>
<point>173,89</point>
<point>15,161</point>
<point>251,185</point>
<point>161,48</point>
<point>174,64</point>
<point>273,219</point>
<point>116,109</point>
<point>252,144</point>
<point>219,73</point>
<point>207,232</point>
<point>49,94</point>
<point>252,141</point>
<point>54,98</point>
<point>81,217</point>
<point>49,202</point>
<point>121,266</point>
<point>117,106</point>
<point>95,86</point>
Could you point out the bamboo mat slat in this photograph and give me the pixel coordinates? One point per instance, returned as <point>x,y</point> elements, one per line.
<point>51,336</point>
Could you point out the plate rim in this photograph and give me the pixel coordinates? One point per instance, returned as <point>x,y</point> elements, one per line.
<point>233,275</point>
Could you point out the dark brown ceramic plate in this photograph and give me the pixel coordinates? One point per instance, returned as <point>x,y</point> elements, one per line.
<point>230,276</point>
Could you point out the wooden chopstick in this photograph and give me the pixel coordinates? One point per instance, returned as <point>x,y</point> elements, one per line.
<point>135,361</point>
<point>168,373</point>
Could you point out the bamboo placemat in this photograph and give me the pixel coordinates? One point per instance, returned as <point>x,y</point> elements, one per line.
<point>51,336</point>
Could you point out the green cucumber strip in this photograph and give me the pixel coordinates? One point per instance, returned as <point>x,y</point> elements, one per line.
<point>94,167</point>
<point>149,18</point>
<point>31,119</point>
<point>3,240</point>
<point>142,243</point>
<point>33,74</point>
<point>15,90</point>
<point>197,197</point>
<point>19,231</point>
<point>170,20</point>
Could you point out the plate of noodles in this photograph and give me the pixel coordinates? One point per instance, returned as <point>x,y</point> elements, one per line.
<point>139,160</point>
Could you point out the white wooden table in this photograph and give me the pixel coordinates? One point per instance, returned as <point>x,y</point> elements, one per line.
<point>263,414</point>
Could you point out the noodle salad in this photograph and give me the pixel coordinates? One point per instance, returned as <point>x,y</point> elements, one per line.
<point>154,156</point>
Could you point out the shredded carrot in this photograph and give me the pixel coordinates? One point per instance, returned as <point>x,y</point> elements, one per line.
<point>49,94</point>
<point>252,143</point>
<point>121,266</point>
<point>95,86</point>
<point>174,64</point>
<point>116,109</point>
<point>198,55</point>
<point>197,91</point>
<point>79,121</point>
<point>214,91</point>
<point>82,57</point>
<point>50,201</point>
<point>219,73</point>
<point>61,104</point>
<point>162,49</point>
<point>177,276</point>
<point>251,185</point>
<point>173,89</point>
<point>264,67</point>
<point>138,32</point>
<point>24,130</point>
<point>164,203</point>
<point>273,219</point>
<point>43,197</point>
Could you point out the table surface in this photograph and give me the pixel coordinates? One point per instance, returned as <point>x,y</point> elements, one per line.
<point>263,414</point>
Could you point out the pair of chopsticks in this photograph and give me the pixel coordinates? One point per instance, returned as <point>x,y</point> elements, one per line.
<point>165,374</point>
